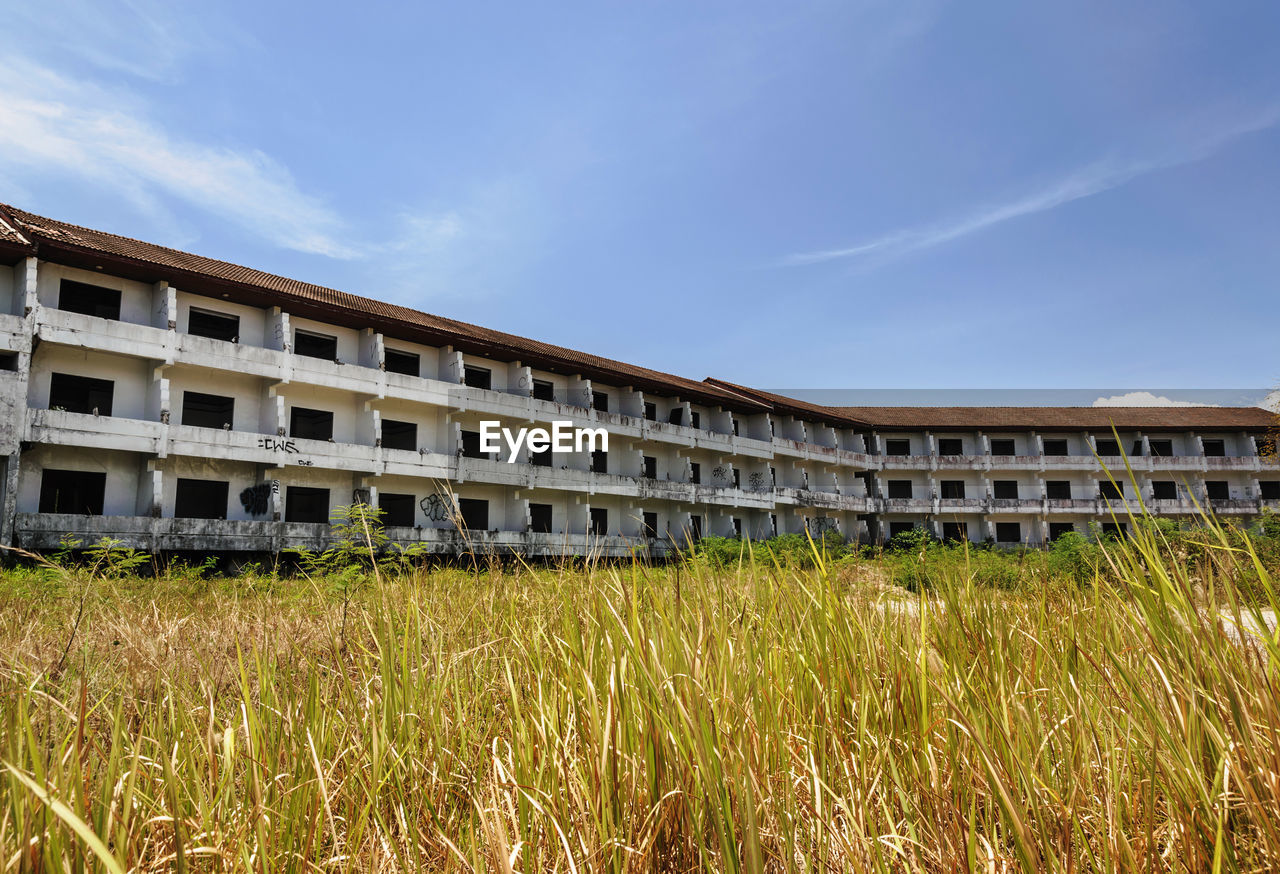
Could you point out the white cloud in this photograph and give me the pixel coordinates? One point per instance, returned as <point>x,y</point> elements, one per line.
<point>1144,399</point>
<point>1086,182</point>
<point>67,128</point>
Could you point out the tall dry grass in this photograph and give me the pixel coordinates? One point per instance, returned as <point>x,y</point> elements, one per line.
<point>635,719</point>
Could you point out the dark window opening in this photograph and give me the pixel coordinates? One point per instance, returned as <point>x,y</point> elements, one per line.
<point>544,390</point>
<point>695,472</point>
<point>315,345</point>
<point>399,435</point>
<point>649,467</point>
<point>1217,490</point>
<point>477,377</point>
<point>310,424</point>
<point>951,446</point>
<point>398,511</point>
<point>773,523</point>
<point>474,513</point>
<point>651,411</point>
<point>1269,490</point>
<point>72,491</point>
<point>8,360</point>
<point>1058,490</point>
<point>540,518</point>
<point>1057,529</point>
<point>215,326</point>
<point>695,419</point>
<point>1005,490</point>
<point>1008,532</point>
<point>471,445</point>
<point>1137,448</point>
<point>1161,448</point>
<point>306,504</point>
<point>955,531</point>
<point>695,527</point>
<point>952,489</point>
<point>737,528</point>
<point>599,521</point>
<point>89,300</point>
<point>599,461</point>
<point>900,488</point>
<point>1164,490</point>
<point>1056,447</point>
<point>541,458</point>
<point>1002,447</point>
<point>737,478</point>
<point>600,401</point>
<point>735,428</point>
<point>1114,529</point>
<point>1108,447</point>
<point>897,447</point>
<point>200,499</point>
<point>207,411</point>
<point>676,416</point>
<point>896,528</point>
<point>1215,448</point>
<point>80,394</point>
<point>1113,491</point>
<point>650,525</point>
<point>408,363</point>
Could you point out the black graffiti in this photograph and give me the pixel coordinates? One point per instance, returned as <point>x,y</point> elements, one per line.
<point>286,446</point>
<point>757,480</point>
<point>256,499</point>
<point>721,472</point>
<point>435,508</point>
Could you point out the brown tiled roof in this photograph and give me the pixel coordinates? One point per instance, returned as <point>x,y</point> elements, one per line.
<point>9,234</point>
<point>72,244</point>
<point>1065,418</point>
<point>792,406</point>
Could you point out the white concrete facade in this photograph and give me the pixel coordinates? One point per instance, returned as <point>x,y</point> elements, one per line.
<point>677,466</point>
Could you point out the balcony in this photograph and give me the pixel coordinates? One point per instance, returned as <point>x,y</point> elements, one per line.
<point>961,505</point>
<point>95,432</point>
<point>46,530</point>
<point>107,335</point>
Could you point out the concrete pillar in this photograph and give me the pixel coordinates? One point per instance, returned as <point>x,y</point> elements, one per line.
<point>9,499</point>
<point>164,309</point>
<point>25,288</point>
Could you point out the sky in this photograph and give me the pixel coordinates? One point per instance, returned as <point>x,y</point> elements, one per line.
<point>881,195</point>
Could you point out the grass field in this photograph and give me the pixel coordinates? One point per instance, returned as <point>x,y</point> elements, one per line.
<point>936,709</point>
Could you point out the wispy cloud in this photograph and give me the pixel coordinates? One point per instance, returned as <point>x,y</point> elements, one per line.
<point>1144,399</point>
<point>1094,179</point>
<point>60,126</point>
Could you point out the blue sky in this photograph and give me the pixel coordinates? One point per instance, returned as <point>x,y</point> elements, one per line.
<point>819,195</point>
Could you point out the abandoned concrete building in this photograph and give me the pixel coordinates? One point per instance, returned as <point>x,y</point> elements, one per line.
<point>174,402</point>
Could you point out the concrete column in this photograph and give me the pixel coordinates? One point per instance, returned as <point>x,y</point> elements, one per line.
<point>25,288</point>
<point>279,335</point>
<point>9,499</point>
<point>451,366</point>
<point>164,309</point>
<point>372,351</point>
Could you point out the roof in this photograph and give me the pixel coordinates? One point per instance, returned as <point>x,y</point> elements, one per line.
<point>792,406</point>
<point>1065,418</point>
<point>67,243</point>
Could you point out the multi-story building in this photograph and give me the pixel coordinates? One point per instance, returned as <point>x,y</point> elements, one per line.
<point>175,402</point>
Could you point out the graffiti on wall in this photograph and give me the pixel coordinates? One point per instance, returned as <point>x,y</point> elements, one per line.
<point>435,508</point>
<point>256,500</point>
<point>288,447</point>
